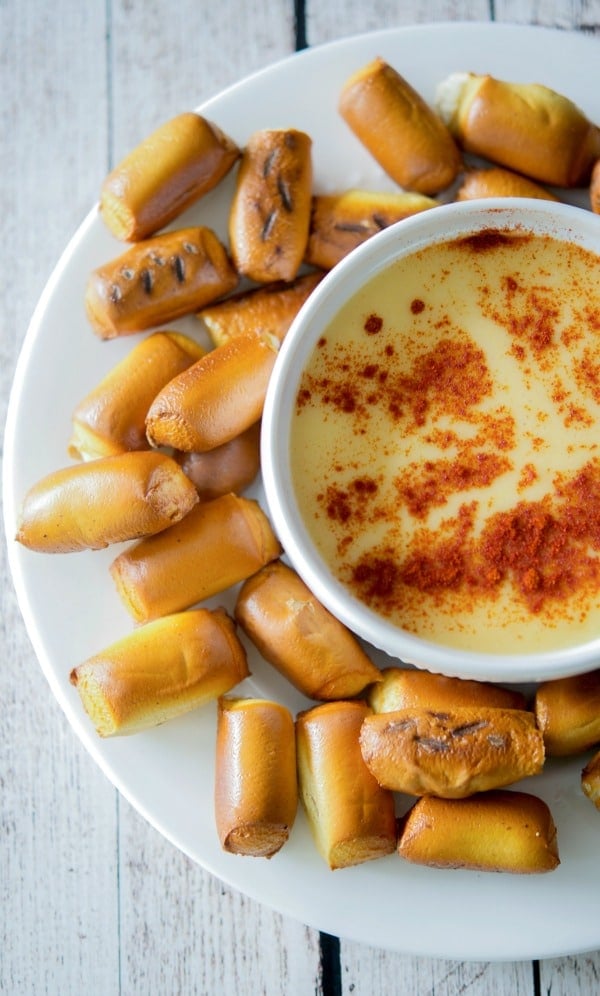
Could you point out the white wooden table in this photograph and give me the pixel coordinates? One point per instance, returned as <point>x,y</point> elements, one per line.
<point>92,899</point>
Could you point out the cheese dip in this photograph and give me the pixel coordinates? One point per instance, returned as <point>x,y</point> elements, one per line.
<point>445,443</point>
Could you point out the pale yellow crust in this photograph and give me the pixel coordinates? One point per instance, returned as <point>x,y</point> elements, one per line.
<point>497,831</point>
<point>351,818</point>
<point>341,222</point>
<point>230,467</point>
<point>270,210</point>
<point>256,789</point>
<point>157,281</point>
<point>110,500</point>
<point>160,671</point>
<point>112,417</point>
<point>498,182</point>
<point>215,399</point>
<point>402,132</point>
<point>300,637</point>
<point>451,754</point>
<point>590,780</point>
<point>270,308</point>
<point>526,127</point>
<point>217,545</point>
<point>409,688</point>
<point>167,172</point>
<point>567,712</point>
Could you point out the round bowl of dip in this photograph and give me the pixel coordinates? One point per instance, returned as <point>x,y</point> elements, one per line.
<point>431,440</point>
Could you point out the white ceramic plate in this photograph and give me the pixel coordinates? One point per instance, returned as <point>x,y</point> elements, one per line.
<point>72,610</point>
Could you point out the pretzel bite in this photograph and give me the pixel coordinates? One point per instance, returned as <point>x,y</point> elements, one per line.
<point>270,210</point>
<point>340,222</point>
<point>524,126</point>
<point>87,506</point>
<point>218,544</point>
<point>231,467</point>
<point>300,637</point>
<point>498,831</point>
<point>595,188</point>
<point>176,165</point>
<point>498,182</point>
<point>256,790</point>
<point>590,780</point>
<point>112,417</point>
<point>409,688</point>
<point>217,398</point>
<point>158,280</point>
<point>400,130</point>
<point>451,754</point>
<point>567,711</point>
<point>351,817</point>
<point>270,308</point>
<point>160,671</point>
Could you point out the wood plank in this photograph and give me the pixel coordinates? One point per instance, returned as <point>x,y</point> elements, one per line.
<point>566,976</point>
<point>182,931</point>
<point>340,18</point>
<point>365,972</point>
<point>58,862</point>
<point>564,14</point>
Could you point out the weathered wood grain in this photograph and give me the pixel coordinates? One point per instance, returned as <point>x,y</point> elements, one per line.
<point>58,859</point>
<point>365,972</point>
<point>210,938</point>
<point>567,14</point>
<point>339,18</point>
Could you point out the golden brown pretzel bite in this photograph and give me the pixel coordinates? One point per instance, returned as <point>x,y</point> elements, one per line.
<point>173,167</point>
<point>300,637</point>
<point>498,182</point>
<point>218,544</point>
<point>112,417</point>
<point>217,398</point>
<point>498,831</point>
<point>231,467</point>
<point>110,500</point>
<point>590,779</point>
<point>160,671</point>
<point>158,280</point>
<point>567,711</point>
<point>595,188</point>
<point>451,754</point>
<point>400,130</point>
<point>526,127</point>
<point>341,222</point>
<point>351,817</point>
<point>256,790</point>
<point>408,688</point>
<point>270,211</point>
<point>270,308</point>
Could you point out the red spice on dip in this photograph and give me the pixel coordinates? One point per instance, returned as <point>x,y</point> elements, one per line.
<point>446,446</point>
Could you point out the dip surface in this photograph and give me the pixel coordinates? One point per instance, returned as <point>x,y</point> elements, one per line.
<point>445,444</point>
